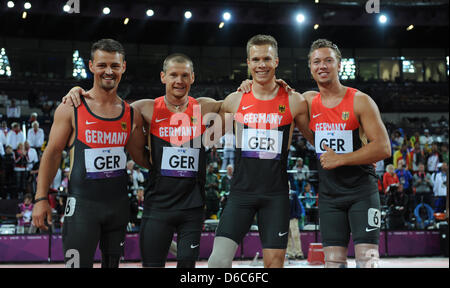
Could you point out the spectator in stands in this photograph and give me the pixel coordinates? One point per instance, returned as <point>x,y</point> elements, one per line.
<point>8,163</point>
<point>294,246</point>
<point>439,179</point>
<point>397,202</point>
<point>212,157</point>
<point>130,171</point>
<point>379,169</point>
<point>434,158</point>
<point>137,208</point>
<point>301,175</point>
<point>212,194</point>
<point>225,188</point>
<point>415,139</point>
<point>417,156</point>
<point>138,178</point>
<point>394,143</point>
<point>15,136</point>
<point>33,117</point>
<point>36,136</point>
<point>308,196</point>
<point>20,170</point>
<point>404,176</point>
<point>5,130</point>
<point>24,212</point>
<point>33,159</point>
<point>402,154</point>
<point>228,142</point>
<point>390,177</point>
<point>13,112</point>
<point>3,133</point>
<point>426,141</point>
<point>423,185</point>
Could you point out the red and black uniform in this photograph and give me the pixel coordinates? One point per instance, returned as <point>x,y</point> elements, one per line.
<point>175,194</point>
<point>260,182</point>
<point>97,205</point>
<point>348,195</point>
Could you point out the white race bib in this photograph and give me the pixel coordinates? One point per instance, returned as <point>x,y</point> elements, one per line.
<point>340,142</point>
<point>180,162</point>
<point>106,162</point>
<point>262,144</point>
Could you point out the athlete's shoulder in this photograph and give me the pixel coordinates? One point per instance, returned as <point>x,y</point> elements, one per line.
<point>309,95</point>
<point>232,101</point>
<point>143,103</point>
<point>209,104</point>
<point>64,110</point>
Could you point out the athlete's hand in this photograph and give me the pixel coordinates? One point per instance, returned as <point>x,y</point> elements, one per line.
<point>246,86</point>
<point>42,210</point>
<point>284,85</point>
<point>330,160</point>
<point>73,97</point>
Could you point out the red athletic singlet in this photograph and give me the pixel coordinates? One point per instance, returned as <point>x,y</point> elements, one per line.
<point>98,159</point>
<point>262,145</point>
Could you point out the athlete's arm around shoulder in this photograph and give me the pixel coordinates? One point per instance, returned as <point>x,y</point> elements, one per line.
<point>368,115</point>
<point>300,113</point>
<point>60,134</point>
<point>145,108</point>
<point>229,107</point>
<point>137,141</point>
<point>209,105</point>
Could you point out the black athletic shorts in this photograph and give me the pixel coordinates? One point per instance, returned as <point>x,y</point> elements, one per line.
<point>157,229</point>
<point>272,213</point>
<point>361,217</point>
<point>87,222</point>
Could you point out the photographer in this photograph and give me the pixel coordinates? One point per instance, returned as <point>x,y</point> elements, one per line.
<point>423,185</point>
<point>397,202</point>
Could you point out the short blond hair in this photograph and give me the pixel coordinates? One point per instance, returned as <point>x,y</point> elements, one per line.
<point>177,58</point>
<point>260,39</point>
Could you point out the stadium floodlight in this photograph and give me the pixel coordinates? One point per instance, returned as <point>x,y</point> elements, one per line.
<point>300,18</point>
<point>106,10</point>
<point>66,8</point>
<point>226,16</point>
<point>188,14</point>
<point>410,27</point>
<point>221,25</point>
<point>10,4</point>
<point>126,20</point>
<point>150,12</point>
<point>316,26</point>
<point>24,15</point>
<point>27,5</point>
<point>383,19</point>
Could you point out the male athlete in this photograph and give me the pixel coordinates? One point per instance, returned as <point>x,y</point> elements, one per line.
<point>264,124</point>
<point>349,136</point>
<point>174,197</point>
<point>97,133</point>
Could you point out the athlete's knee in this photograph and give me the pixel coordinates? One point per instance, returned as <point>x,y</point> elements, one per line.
<point>223,253</point>
<point>274,258</point>
<point>335,257</point>
<point>366,255</point>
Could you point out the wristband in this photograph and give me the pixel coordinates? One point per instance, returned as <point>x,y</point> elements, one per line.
<point>40,199</point>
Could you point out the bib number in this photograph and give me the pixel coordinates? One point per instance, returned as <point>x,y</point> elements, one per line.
<point>340,142</point>
<point>105,162</point>
<point>262,144</point>
<point>180,162</point>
